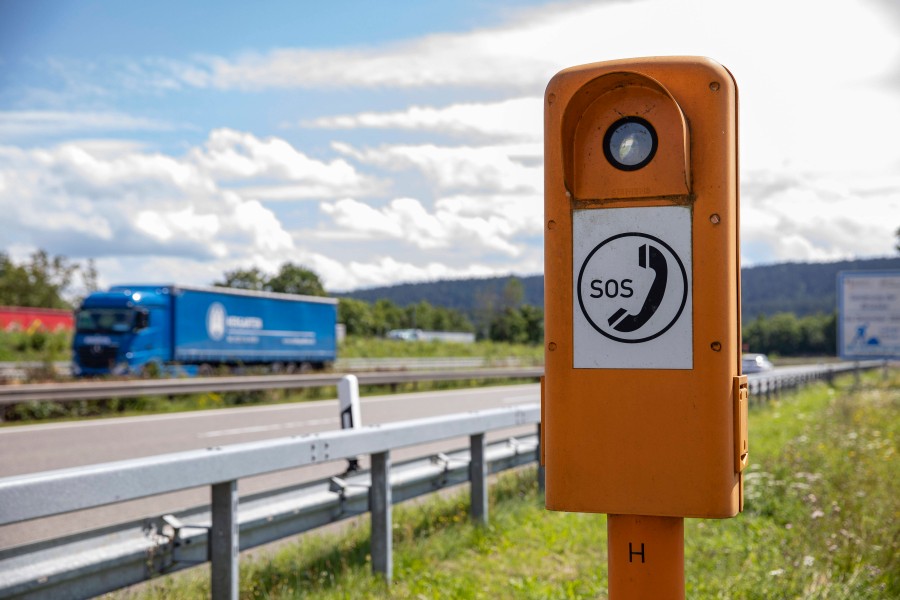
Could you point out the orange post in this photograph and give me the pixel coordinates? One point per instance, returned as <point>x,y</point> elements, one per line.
<point>646,557</point>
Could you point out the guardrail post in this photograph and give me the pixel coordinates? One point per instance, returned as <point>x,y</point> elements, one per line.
<point>478,472</point>
<point>380,506</point>
<point>223,541</point>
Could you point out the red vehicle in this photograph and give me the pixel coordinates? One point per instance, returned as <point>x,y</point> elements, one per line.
<point>27,318</point>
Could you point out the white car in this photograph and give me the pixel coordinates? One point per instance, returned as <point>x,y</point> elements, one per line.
<point>755,363</point>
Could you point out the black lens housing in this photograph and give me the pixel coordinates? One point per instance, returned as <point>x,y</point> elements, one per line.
<point>615,128</point>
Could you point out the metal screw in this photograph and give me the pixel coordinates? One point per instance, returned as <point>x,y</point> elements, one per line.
<point>551,346</point>
<point>715,219</point>
<point>551,224</point>
<point>716,346</point>
<point>714,86</point>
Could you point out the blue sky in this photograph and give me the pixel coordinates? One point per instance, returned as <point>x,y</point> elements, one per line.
<point>380,143</point>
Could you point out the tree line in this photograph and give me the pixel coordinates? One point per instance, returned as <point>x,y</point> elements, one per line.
<point>43,281</point>
<point>503,319</point>
<point>46,281</point>
<point>785,334</point>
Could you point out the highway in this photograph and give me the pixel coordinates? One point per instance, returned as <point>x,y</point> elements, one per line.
<point>35,448</point>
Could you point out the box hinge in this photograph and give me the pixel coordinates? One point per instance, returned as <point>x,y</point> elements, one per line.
<point>741,394</point>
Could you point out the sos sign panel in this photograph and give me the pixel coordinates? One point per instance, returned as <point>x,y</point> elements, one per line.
<point>644,405</point>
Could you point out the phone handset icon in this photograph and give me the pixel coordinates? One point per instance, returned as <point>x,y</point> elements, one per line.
<point>648,256</point>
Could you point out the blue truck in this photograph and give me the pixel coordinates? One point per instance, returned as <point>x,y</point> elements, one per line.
<point>141,329</point>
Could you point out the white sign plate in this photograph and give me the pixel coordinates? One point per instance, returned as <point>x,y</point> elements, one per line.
<point>632,272</point>
<point>869,315</point>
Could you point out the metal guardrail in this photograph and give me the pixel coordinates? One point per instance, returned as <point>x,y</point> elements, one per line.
<point>95,562</point>
<point>767,384</point>
<point>21,369</point>
<point>38,571</point>
<point>95,390</point>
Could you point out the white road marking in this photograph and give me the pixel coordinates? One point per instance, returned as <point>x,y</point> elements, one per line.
<point>274,427</point>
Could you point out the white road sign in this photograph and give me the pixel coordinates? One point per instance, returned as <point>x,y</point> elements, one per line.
<point>869,314</point>
<point>632,299</point>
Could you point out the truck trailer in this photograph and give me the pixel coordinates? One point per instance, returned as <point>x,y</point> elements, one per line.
<point>141,329</point>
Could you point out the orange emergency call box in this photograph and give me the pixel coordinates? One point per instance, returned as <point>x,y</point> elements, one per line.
<point>644,405</point>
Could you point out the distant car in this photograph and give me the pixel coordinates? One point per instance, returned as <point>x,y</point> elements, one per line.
<point>755,363</point>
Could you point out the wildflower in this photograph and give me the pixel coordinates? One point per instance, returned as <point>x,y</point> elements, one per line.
<point>776,573</point>
<point>808,561</point>
<point>817,514</point>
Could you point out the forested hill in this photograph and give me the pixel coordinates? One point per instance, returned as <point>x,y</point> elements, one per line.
<point>465,295</point>
<point>799,288</point>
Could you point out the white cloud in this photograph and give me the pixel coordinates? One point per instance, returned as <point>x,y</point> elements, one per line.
<point>230,155</point>
<point>29,123</point>
<point>527,50</point>
<point>801,92</point>
<point>488,169</point>
<point>814,217</point>
<point>72,200</point>
<point>386,270</point>
<point>515,119</point>
<point>479,224</point>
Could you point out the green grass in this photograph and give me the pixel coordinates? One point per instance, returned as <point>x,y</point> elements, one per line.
<point>360,347</point>
<point>38,345</point>
<point>822,521</point>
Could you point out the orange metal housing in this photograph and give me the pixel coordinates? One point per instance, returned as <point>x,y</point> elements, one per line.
<point>658,442</point>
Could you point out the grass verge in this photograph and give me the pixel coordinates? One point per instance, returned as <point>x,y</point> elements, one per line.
<point>821,521</point>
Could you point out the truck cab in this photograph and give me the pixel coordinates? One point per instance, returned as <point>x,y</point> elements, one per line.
<point>122,331</point>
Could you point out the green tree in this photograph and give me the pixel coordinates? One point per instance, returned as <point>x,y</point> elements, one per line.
<point>420,316</point>
<point>534,323</point>
<point>387,316</point>
<point>513,293</point>
<point>244,279</point>
<point>786,335</point>
<point>524,325</point>
<point>40,282</point>
<point>509,326</point>
<point>296,279</point>
<point>290,279</point>
<point>356,315</point>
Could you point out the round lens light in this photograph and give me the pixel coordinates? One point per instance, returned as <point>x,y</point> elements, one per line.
<point>629,143</point>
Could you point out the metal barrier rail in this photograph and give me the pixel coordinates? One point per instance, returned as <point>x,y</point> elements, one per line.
<point>37,495</point>
<point>92,390</point>
<point>20,369</point>
<point>95,390</point>
<point>768,384</point>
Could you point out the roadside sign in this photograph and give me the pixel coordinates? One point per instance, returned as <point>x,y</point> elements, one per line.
<point>869,315</point>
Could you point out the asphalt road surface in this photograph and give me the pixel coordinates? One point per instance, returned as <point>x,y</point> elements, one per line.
<point>36,448</point>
